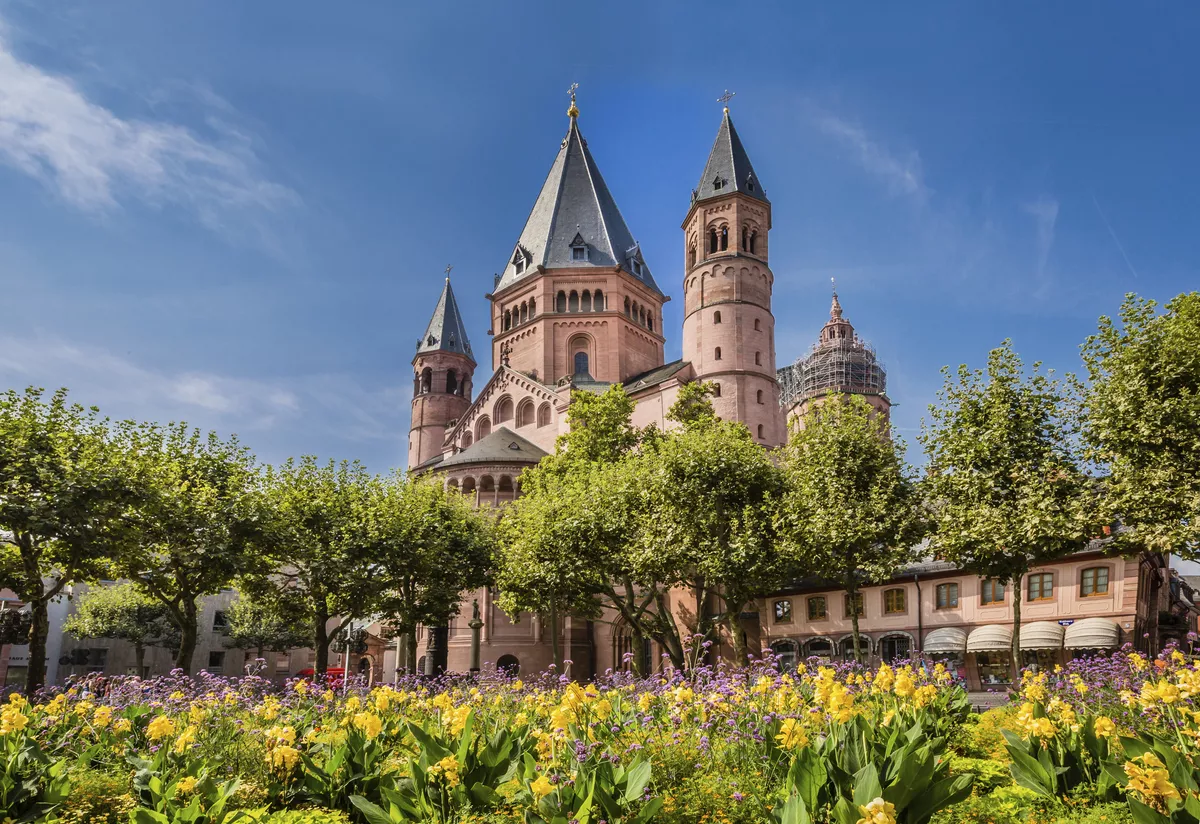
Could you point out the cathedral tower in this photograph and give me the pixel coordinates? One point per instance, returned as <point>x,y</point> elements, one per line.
<point>442,370</point>
<point>728,328</point>
<point>576,300</point>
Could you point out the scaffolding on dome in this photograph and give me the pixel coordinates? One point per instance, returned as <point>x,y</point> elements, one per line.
<point>848,366</point>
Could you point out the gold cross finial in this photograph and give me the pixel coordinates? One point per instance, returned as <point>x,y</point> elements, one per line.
<point>725,98</point>
<point>574,110</point>
<point>448,268</point>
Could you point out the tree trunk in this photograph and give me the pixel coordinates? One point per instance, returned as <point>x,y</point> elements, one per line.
<point>187,635</point>
<point>410,643</point>
<point>38,633</point>
<point>732,618</point>
<point>669,633</point>
<point>858,656</point>
<point>321,638</point>
<point>139,656</point>
<point>554,640</point>
<point>1016,638</point>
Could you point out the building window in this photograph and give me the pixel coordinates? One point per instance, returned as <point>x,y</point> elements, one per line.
<point>578,253</point>
<point>1041,586</point>
<point>216,661</point>
<point>716,390</point>
<point>586,304</point>
<point>560,302</point>
<point>816,608</point>
<point>508,664</point>
<point>637,267</point>
<point>858,605</point>
<point>753,237</point>
<point>893,602</point>
<point>716,317</point>
<point>724,238</point>
<point>544,415</point>
<point>451,383</point>
<point>650,322</point>
<point>758,395</point>
<point>581,364</point>
<point>573,301</point>
<point>519,262</point>
<point>745,235</point>
<point>597,301</point>
<point>712,240</point>
<point>757,325</point>
<point>991,592</point>
<point>691,256</point>
<point>760,431</point>
<point>758,358</point>
<point>894,648</point>
<point>525,414</point>
<point>783,612</point>
<point>220,622</point>
<point>628,311</point>
<point>1094,581</point>
<point>717,354</point>
<point>947,596</point>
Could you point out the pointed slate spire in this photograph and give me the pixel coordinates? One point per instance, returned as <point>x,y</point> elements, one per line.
<point>446,331</point>
<point>575,205</point>
<point>728,169</point>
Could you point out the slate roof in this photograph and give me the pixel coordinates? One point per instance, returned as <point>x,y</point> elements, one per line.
<point>575,205</point>
<point>502,446</point>
<point>654,376</point>
<point>446,331</point>
<point>728,169</point>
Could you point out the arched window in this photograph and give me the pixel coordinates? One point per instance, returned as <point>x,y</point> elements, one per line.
<point>467,440</point>
<point>598,301</point>
<point>451,383</point>
<point>757,325</point>
<point>509,665</point>
<point>468,486</point>
<point>724,238</point>
<point>586,304</point>
<point>504,410</point>
<point>573,301</point>
<point>524,312</point>
<point>753,243</point>
<point>487,484</point>
<point>628,311</point>
<point>417,383</point>
<point>581,364</point>
<point>543,418</point>
<point>483,428</point>
<point>642,317</point>
<point>507,320</point>
<point>452,484</point>
<point>758,395</point>
<point>525,413</point>
<point>717,354</point>
<point>716,390</point>
<point>717,317</point>
<point>691,256</point>
<point>650,322</point>
<point>532,308</point>
<point>712,240</point>
<point>758,358</point>
<point>426,380</point>
<point>760,431</point>
<point>745,238</point>
<point>561,302</point>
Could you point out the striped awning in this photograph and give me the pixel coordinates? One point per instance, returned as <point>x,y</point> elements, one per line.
<point>992,638</point>
<point>1041,635</point>
<point>945,639</point>
<point>1093,633</point>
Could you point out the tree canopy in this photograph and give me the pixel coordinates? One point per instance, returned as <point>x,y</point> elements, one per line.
<point>124,612</point>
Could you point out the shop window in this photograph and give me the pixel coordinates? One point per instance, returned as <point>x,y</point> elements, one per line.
<point>1040,660</point>
<point>1041,586</point>
<point>816,608</point>
<point>894,602</point>
<point>1094,581</point>
<point>858,605</point>
<point>895,647</point>
<point>994,668</point>
<point>947,596</point>
<point>820,648</point>
<point>787,654</point>
<point>783,612</point>
<point>864,644</point>
<point>991,591</point>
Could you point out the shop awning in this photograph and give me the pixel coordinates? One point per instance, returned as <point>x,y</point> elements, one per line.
<point>1093,633</point>
<point>992,638</point>
<point>1041,635</point>
<point>945,639</point>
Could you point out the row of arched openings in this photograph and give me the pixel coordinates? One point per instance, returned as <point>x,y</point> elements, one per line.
<point>520,314</point>
<point>455,383</point>
<point>639,314</point>
<point>891,647</point>
<point>718,241</point>
<point>503,412</point>
<point>573,301</point>
<point>487,490</point>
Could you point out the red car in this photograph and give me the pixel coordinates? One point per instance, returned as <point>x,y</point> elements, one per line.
<point>332,674</point>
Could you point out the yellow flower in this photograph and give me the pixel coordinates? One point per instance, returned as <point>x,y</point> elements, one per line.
<point>301,687</point>
<point>283,757</point>
<point>160,727</point>
<point>12,719</point>
<point>281,735</point>
<point>102,718</point>
<point>1150,780</point>
<point>645,701</point>
<point>925,695</point>
<point>187,739</point>
<point>1105,728</point>
<point>541,787</point>
<point>904,684</point>
<point>122,725</point>
<point>447,770</point>
<point>878,812</point>
<point>353,703</point>
<point>791,735</point>
<point>1137,662</point>
<point>197,713</point>
<point>369,723</point>
<point>458,720</point>
<point>185,785</point>
<point>884,679</point>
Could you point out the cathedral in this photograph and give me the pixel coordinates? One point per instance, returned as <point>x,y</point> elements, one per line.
<point>577,307</point>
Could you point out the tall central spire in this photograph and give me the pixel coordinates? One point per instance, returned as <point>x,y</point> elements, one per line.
<point>575,223</point>
<point>728,169</point>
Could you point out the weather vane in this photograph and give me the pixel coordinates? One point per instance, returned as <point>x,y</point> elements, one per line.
<point>449,266</point>
<point>574,110</point>
<point>725,98</point>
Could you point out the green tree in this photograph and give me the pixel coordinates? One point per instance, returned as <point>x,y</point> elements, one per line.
<point>64,490</point>
<point>706,496</point>
<point>1004,484</point>
<point>850,512</point>
<point>1142,421</point>
<point>318,547</point>
<point>198,525</point>
<point>278,626</point>
<point>430,546</point>
<point>125,613</point>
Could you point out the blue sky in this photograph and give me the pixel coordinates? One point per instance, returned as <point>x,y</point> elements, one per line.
<point>238,214</point>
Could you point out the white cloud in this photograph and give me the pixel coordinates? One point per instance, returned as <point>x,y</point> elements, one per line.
<point>901,175</point>
<point>94,159</point>
<point>1044,211</point>
<point>313,405</point>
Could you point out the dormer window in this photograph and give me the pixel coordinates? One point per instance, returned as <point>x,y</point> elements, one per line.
<point>718,182</point>
<point>519,260</point>
<point>637,267</point>
<point>579,249</point>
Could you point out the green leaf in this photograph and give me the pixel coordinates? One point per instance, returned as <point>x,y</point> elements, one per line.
<point>637,778</point>
<point>1143,814</point>
<point>866,786</point>
<point>941,795</point>
<point>793,811</point>
<point>372,812</point>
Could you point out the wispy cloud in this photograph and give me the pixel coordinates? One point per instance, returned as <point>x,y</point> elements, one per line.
<point>902,175</point>
<point>1044,211</point>
<point>321,403</point>
<point>1113,233</point>
<point>96,160</point>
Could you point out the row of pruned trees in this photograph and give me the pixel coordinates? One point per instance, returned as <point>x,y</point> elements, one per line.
<point>1022,468</point>
<point>180,514</point>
